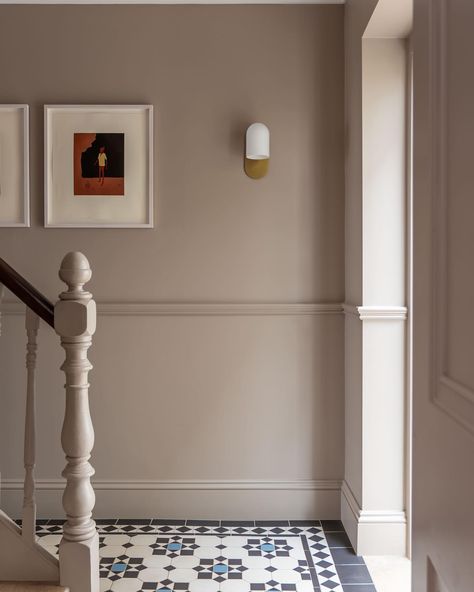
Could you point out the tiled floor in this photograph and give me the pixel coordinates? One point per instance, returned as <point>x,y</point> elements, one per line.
<point>214,556</point>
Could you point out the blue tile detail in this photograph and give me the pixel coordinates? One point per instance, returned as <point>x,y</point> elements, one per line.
<point>119,567</point>
<point>325,558</point>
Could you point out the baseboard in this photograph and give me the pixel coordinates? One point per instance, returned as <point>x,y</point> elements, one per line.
<point>373,532</point>
<point>236,499</point>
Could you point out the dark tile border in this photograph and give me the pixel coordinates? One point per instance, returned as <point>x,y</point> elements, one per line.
<point>345,556</point>
<point>332,526</point>
<point>354,574</point>
<point>338,539</point>
<point>359,588</point>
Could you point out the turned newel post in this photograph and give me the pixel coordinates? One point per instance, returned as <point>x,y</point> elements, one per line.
<point>75,322</point>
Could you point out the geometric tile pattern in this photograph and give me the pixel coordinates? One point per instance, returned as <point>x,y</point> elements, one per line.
<point>159,555</point>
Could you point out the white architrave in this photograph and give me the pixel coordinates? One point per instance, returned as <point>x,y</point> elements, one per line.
<point>373,500</point>
<point>75,322</point>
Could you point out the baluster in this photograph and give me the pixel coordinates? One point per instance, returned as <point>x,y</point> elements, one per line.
<point>75,321</point>
<point>29,502</point>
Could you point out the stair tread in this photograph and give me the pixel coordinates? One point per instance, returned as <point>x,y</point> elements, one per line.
<point>31,587</point>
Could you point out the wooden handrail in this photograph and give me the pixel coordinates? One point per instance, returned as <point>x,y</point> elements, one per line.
<point>27,293</point>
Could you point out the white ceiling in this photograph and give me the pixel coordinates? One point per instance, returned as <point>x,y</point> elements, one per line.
<point>96,2</point>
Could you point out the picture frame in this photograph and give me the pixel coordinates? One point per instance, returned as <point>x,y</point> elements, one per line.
<point>14,166</point>
<point>98,166</point>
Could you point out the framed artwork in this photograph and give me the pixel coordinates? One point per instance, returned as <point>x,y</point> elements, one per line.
<point>98,166</point>
<point>14,166</point>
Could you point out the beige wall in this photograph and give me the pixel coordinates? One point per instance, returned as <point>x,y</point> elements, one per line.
<point>231,399</point>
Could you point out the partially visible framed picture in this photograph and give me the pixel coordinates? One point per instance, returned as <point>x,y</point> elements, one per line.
<point>98,166</point>
<point>14,166</point>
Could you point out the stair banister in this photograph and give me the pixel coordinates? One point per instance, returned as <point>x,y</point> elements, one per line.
<point>2,294</point>
<point>27,293</point>
<point>75,323</point>
<point>74,320</point>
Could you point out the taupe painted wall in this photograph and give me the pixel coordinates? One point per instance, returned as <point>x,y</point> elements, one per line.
<point>216,398</point>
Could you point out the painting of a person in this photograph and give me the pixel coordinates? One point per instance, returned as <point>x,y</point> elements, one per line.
<point>99,163</point>
<point>102,163</point>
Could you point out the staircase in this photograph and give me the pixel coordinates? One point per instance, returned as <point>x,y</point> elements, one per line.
<point>31,587</point>
<point>24,565</point>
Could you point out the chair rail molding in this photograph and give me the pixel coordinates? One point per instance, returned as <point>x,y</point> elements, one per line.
<point>199,484</point>
<point>131,308</point>
<point>376,313</point>
<point>382,313</point>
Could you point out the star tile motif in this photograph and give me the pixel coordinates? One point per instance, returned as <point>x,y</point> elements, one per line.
<point>195,556</point>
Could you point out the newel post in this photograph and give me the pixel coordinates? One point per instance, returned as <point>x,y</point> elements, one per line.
<point>75,322</point>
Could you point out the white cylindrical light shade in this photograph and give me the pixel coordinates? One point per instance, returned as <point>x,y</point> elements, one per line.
<point>257,142</point>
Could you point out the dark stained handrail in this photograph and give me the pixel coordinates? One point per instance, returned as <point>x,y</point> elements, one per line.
<point>27,293</point>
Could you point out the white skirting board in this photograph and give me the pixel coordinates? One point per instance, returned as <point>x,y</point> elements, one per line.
<point>373,532</point>
<point>227,500</point>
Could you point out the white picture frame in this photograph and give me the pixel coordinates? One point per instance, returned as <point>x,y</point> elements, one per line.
<point>14,166</point>
<point>63,206</point>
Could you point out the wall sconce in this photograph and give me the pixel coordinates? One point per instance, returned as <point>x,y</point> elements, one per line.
<point>257,150</point>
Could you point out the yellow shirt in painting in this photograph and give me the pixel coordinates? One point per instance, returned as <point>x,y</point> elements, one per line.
<point>102,158</point>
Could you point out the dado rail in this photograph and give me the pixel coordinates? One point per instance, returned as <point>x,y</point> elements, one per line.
<point>73,318</point>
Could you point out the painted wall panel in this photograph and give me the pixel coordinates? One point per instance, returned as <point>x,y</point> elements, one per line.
<point>215,398</point>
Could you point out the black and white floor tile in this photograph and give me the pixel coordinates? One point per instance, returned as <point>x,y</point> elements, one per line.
<point>222,556</point>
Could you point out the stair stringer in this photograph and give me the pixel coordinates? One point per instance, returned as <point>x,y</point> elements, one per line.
<point>22,560</point>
